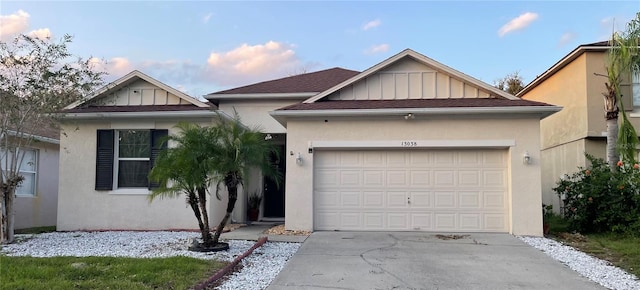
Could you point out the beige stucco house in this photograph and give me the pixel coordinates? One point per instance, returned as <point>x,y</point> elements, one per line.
<point>576,83</point>
<point>107,150</point>
<point>36,199</point>
<point>406,145</point>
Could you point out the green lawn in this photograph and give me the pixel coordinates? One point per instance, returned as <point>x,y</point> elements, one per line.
<point>622,251</point>
<point>104,272</point>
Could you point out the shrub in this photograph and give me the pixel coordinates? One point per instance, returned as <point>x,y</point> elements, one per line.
<point>597,199</point>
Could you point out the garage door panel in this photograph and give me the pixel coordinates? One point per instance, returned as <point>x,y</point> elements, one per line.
<point>397,199</point>
<point>373,199</point>
<point>445,199</point>
<point>374,178</point>
<point>424,190</point>
<point>445,221</point>
<point>421,199</point>
<point>470,221</point>
<point>350,198</point>
<point>494,200</point>
<point>420,178</point>
<point>444,178</point>
<point>397,221</point>
<point>468,178</point>
<point>470,199</point>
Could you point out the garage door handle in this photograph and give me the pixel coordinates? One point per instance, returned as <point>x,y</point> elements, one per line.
<point>408,200</point>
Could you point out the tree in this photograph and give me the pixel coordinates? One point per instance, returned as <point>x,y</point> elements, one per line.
<point>622,61</point>
<point>204,157</point>
<point>188,168</point>
<point>511,83</point>
<point>237,150</point>
<point>38,77</point>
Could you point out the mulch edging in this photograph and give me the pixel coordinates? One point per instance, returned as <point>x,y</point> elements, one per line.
<point>231,265</point>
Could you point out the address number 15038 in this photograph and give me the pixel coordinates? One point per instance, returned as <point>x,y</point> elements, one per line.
<point>409,144</point>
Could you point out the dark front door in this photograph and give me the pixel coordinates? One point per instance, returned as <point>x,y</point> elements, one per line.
<point>274,195</point>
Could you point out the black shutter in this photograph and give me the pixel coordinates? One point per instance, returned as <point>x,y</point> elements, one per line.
<point>104,160</point>
<point>158,143</point>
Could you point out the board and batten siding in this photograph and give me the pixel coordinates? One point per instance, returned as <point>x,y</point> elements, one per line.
<point>140,93</point>
<point>409,80</point>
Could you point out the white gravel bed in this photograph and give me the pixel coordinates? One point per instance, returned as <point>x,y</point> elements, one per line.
<point>258,269</point>
<point>597,270</point>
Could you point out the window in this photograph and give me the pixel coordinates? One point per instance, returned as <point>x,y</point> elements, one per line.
<point>28,169</point>
<point>134,152</point>
<point>125,157</point>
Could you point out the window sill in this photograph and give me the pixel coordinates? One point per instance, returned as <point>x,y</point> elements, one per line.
<point>130,191</point>
<point>635,114</point>
<point>26,195</point>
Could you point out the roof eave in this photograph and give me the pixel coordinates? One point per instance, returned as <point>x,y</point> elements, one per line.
<point>541,111</point>
<point>266,96</point>
<point>139,115</point>
<point>35,137</point>
<point>559,65</point>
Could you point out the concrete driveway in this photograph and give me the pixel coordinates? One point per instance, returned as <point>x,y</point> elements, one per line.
<point>409,260</point>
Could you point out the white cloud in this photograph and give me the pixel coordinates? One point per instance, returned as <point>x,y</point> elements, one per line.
<point>371,24</point>
<point>518,23</point>
<point>13,24</point>
<point>251,63</point>
<point>377,49</point>
<point>206,18</point>
<point>566,38</point>
<point>42,33</point>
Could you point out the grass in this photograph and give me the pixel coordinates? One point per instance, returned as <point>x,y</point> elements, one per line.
<point>104,272</point>
<point>621,251</point>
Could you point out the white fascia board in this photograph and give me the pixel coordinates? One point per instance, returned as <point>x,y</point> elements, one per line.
<point>271,96</point>
<point>543,110</point>
<point>35,137</point>
<point>141,115</point>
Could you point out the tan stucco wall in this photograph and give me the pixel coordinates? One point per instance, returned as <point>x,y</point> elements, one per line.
<point>40,210</point>
<point>556,162</point>
<point>566,88</point>
<point>80,207</point>
<point>524,180</point>
<point>256,112</point>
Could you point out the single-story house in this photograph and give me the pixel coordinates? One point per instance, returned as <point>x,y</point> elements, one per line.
<point>409,144</point>
<point>36,201</point>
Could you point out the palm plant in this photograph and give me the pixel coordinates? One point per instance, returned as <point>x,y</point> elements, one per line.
<point>238,149</point>
<point>186,169</point>
<point>622,60</point>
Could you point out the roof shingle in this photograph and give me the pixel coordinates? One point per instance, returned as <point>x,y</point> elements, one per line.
<point>314,82</point>
<point>144,108</point>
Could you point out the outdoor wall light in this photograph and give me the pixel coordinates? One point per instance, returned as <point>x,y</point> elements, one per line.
<point>526,158</point>
<point>299,159</point>
<point>268,137</point>
<point>409,116</point>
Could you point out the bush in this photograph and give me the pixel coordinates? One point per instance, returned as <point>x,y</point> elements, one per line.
<point>598,200</point>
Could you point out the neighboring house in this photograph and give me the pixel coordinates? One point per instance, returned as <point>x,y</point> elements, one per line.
<point>108,148</point>
<point>408,144</point>
<point>576,83</point>
<point>36,199</point>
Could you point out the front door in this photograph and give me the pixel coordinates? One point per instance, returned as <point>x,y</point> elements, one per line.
<point>274,195</point>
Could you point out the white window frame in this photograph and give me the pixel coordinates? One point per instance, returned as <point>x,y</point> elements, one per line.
<point>116,164</point>
<point>23,171</point>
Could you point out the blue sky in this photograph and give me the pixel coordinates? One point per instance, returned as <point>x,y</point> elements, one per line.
<point>205,46</point>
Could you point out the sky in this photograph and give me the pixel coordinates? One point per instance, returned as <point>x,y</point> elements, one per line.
<point>200,47</point>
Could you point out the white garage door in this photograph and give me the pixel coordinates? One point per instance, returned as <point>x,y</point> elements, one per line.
<point>424,190</point>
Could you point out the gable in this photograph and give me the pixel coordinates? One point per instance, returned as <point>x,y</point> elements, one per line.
<point>409,78</point>
<point>137,93</point>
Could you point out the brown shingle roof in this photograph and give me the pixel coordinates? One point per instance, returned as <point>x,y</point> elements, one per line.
<point>410,104</point>
<point>145,108</point>
<point>303,83</point>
